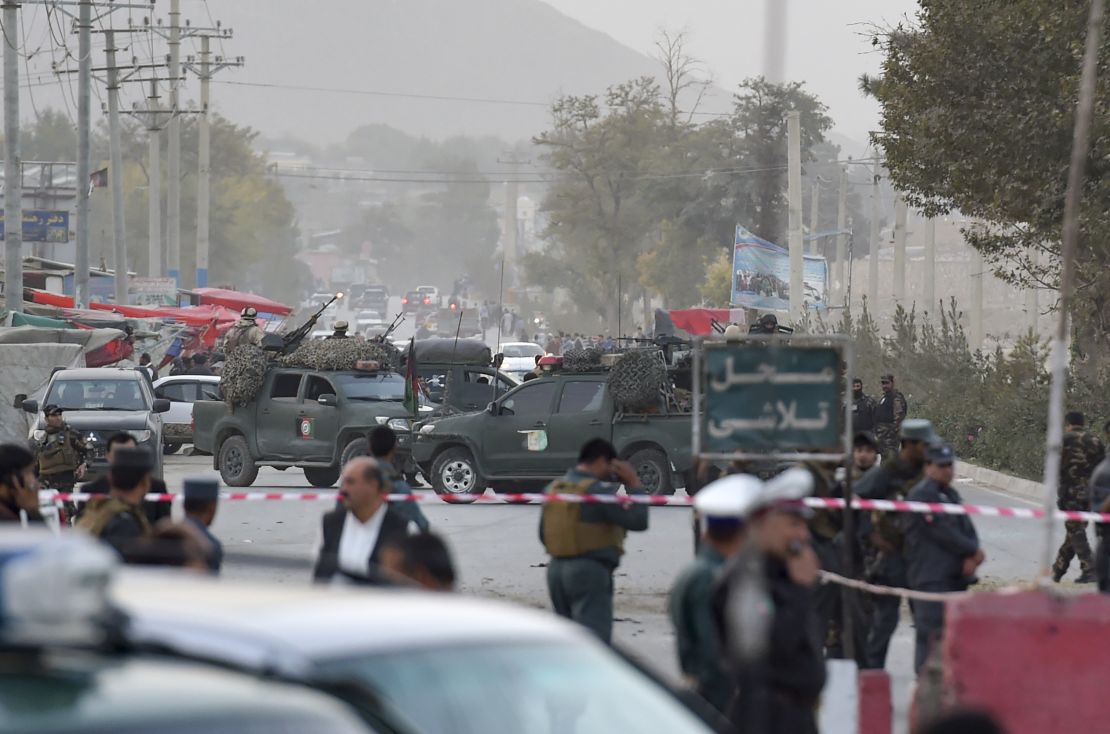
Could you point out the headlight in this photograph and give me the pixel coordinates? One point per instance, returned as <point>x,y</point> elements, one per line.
<point>399,424</point>
<point>140,436</point>
<point>427,427</point>
<point>39,434</point>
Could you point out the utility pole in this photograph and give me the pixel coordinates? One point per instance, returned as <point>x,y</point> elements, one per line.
<point>154,191</point>
<point>841,238</point>
<point>173,183</point>
<point>115,174</point>
<point>930,295</point>
<point>774,40</point>
<point>899,249</point>
<point>13,164</point>
<point>84,167</point>
<point>814,217</point>
<point>511,230</point>
<point>205,69</point>
<point>873,256</point>
<point>794,210</point>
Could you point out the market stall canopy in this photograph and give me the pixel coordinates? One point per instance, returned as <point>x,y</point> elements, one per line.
<point>101,346</point>
<point>237,301</point>
<point>25,369</point>
<point>687,322</point>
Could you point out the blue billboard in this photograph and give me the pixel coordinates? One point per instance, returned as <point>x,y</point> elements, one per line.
<point>761,275</point>
<point>40,225</point>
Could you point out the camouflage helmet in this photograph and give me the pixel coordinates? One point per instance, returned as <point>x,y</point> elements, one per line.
<point>340,326</point>
<point>249,312</point>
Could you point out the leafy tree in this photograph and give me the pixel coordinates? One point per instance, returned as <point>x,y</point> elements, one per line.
<point>977,113</point>
<point>597,218</point>
<point>716,291</point>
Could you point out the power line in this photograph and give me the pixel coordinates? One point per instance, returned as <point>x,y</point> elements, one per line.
<point>380,93</point>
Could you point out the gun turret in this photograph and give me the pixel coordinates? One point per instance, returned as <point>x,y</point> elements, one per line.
<point>293,339</point>
<point>397,320</point>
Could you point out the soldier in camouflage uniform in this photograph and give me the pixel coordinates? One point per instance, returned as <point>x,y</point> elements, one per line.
<point>245,331</point>
<point>882,534</point>
<point>1082,451</point>
<point>889,414</point>
<point>60,452</point>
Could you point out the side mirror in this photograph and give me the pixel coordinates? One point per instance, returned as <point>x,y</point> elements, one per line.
<point>17,401</point>
<point>492,408</point>
<point>161,405</point>
<point>30,406</point>
<point>328,399</point>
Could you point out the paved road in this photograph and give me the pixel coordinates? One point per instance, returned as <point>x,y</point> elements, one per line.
<point>498,555</point>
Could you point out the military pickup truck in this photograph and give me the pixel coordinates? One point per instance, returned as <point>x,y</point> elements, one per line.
<point>315,421</point>
<point>532,434</point>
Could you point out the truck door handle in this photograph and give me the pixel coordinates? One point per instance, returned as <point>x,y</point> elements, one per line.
<point>540,424</point>
<point>595,422</point>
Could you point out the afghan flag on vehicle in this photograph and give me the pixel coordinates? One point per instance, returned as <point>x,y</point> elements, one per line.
<point>412,389</point>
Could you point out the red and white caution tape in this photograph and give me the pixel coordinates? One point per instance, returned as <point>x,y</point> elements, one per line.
<point>824,503</point>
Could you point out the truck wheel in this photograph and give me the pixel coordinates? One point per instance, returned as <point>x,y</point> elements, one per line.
<point>355,447</point>
<point>654,470</point>
<point>237,469</point>
<point>321,476</point>
<point>455,473</point>
<point>170,448</point>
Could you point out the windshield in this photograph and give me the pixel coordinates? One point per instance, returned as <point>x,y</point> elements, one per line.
<point>381,386</point>
<point>522,350</point>
<point>510,688</point>
<point>96,395</point>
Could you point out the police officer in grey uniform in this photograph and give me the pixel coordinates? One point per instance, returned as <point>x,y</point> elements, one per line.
<point>586,541</point>
<point>720,508</point>
<point>942,550</point>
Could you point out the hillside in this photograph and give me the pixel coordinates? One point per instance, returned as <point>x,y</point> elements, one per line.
<point>491,49</point>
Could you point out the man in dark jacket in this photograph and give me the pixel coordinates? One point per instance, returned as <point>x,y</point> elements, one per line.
<point>780,684</point>
<point>889,415</point>
<point>155,511</point>
<point>118,519</point>
<point>942,551</point>
<point>383,447</point>
<point>19,489</point>
<point>200,366</point>
<point>882,535</point>
<point>354,535</point>
<point>586,541</point>
<point>863,408</point>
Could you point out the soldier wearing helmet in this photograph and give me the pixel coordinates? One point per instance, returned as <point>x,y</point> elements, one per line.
<point>245,331</point>
<point>339,330</point>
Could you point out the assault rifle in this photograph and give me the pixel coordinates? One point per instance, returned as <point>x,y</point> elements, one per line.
<point>397,321</point>
<point>293,339</point>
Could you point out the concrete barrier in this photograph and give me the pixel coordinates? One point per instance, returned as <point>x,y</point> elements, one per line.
<point>1014,485</point>
<point>1034,660</point>
<point>876,711</point>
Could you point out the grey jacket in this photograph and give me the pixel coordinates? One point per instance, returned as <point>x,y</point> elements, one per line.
<point>1099,488</point>
<point>936,545</point>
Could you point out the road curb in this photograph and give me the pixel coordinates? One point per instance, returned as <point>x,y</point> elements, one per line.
<point>1025,488</point>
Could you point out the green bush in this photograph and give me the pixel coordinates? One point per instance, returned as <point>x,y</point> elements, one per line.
<point>991,406</point>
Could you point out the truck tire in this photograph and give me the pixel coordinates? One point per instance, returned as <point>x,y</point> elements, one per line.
<point>170,448</point>
<point>321,476</point>
<point>237,468</point>
<point>654,470</point>
<point>455,474</point>
<point>355,447</point>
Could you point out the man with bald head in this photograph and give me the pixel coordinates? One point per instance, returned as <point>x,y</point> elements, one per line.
<point>354,533</point>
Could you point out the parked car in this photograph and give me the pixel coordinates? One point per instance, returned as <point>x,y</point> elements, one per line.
<point>448,664</point>
<point>430,294</point>
<point>520,357</point>
<point>369,323</point>
<point>101,401</point>
<point>412,302</point>
<point>182,391</point>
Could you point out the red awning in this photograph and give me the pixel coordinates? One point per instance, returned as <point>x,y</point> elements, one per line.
<point>699,321</point>
<point>237,301</point>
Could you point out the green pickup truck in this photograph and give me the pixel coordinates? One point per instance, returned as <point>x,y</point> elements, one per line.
<point>315,421</point>
<point>532,434</point>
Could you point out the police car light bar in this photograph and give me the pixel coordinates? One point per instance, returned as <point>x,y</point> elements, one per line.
<point>367,365</point>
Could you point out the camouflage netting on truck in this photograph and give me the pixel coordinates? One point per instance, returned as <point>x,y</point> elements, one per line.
<point>581,360</point>
<point>342,354</point>
<point>637,379</point>
<point>243,373</point>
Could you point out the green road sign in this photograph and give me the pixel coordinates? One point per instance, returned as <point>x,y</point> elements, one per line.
<point>771,396</point>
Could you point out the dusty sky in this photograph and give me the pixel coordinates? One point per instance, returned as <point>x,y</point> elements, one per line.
<point>827,46</point>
